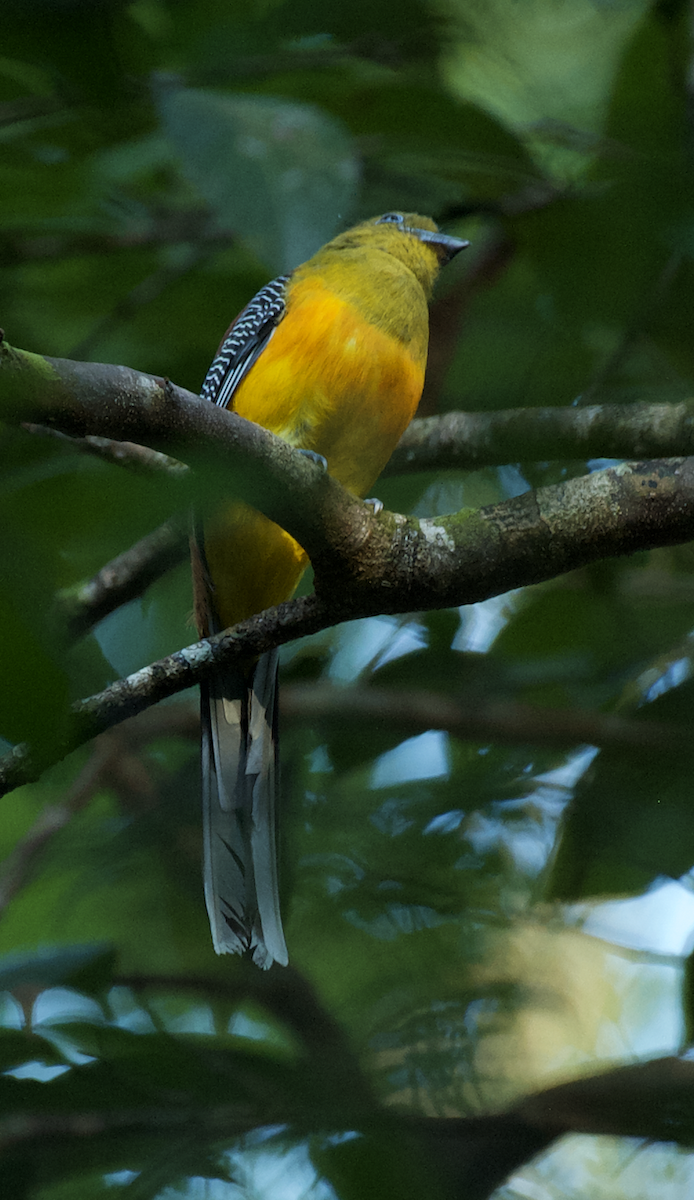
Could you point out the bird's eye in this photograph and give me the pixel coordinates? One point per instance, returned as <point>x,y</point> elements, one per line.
<point>391,218</point>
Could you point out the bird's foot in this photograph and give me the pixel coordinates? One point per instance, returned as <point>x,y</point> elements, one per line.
<point>318,459</point>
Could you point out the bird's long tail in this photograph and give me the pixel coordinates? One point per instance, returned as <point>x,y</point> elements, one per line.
<point>240,777</point>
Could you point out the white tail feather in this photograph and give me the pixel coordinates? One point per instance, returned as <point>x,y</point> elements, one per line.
<point>239,796</point>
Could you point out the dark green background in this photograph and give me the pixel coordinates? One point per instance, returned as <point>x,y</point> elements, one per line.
<point>159,161</point>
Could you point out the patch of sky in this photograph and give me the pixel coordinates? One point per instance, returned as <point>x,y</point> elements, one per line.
<point>198,1188</point>
<point>120,1178</point>
<point>423,757</point>
<point>483,833</point>
<point>446,822</point>
<point>532,841</point>
<point>560,781</point>
<point>125,634</point>
<point>446,495</point>
<point>360,643</point>
<point>277,1175</point>
<point>481,623</point>
<point>338,1139</point>
<point>11,1013</point>
<point>391,818</point>
<point>601,464</point>
<point>244,1026</point>
<point>512,480</point>
<point>261,1172</point>
<point>675,674</point>
<point>529,849</point>
<point>319,761</point>
<point>405,640</point>
<point>661,921</point>
<point>454,490</point>
<point>127,1013</point>
<point>56,1005</point>
<point>526,827</point>
<point>197,1018</point>
<point>37,1070</point>
<point>650,1018</point>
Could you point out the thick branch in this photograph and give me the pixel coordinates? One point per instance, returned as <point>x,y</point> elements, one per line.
<point>239,458</point>
<point>411,564</point>
<point>364,564</point>
<point>465,440</point>
<point>83,399</point>
<point>400,564</point>
<point>391,563</point>
<point>116,402</point>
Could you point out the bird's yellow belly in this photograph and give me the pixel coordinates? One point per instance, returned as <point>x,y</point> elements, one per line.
<point>327,381</point>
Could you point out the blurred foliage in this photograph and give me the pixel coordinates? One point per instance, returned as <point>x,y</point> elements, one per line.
<point>159,160</point>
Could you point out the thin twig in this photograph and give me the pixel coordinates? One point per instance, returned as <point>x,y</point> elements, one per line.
<point>20,864</point>
<point>122,579</point>
<point>140,459</point>
<point>145,292</point>
<point>477,719</point>
<point>648,307</point>
<point>112,764</point>
<point>370,565</point>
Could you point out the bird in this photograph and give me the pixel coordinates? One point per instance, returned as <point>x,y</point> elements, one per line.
<point>331,358</point>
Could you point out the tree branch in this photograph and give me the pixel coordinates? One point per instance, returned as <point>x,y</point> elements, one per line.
<point>132,695</point>
<point>467,440</point>
<point>113,764</point>
<point>116,402</point>
<point>139,459</point>
<point>123,578</point>
<point>239,457</point>
<point>410,563</point>
<point>364,564</point>
<point>468,1156</point>
<point>390,563</point>
<point>475,718</point>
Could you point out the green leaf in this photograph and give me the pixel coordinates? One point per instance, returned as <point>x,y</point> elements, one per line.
<point>360,1168</point>
<point>542,68</point>
<point>631,818</point>
<point>86,968</point>
<point>277,173</point>
<point>200,1070</point>
<point>648,106</point>
<point>33,698</point>
<point>18,1046</point>
<point>78,41</point>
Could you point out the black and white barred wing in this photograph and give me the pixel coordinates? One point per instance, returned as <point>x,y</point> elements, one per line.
<point>244,341</point>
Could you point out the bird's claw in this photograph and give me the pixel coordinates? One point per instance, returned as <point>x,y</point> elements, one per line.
<point>318,459</point>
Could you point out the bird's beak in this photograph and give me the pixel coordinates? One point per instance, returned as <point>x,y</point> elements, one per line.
<point>446,247</point>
